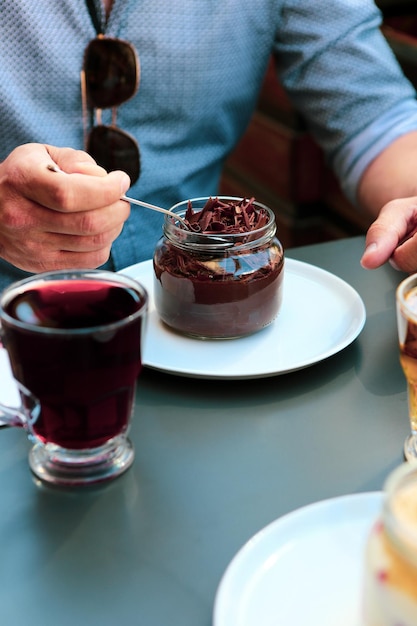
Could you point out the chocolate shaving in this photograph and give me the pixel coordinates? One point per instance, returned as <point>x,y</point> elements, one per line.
<point>220,292</point>
<point>240,217</point>
<point>232,217</point>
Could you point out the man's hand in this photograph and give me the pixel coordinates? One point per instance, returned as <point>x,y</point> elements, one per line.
<point>393,237</point>
<point>58,220</point>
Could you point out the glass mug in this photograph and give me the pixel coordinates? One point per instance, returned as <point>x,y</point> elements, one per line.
<point>74,339</point>
<point>406,303</point>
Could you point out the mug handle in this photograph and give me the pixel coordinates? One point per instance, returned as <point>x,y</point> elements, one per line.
<point>24,415</point>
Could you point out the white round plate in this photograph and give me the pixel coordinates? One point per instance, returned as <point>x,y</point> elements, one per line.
<point>304,568</point>
<point>320,315</point>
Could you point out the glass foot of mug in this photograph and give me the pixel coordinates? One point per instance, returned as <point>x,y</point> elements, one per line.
<point>410,448</point>
<point>62,467</point>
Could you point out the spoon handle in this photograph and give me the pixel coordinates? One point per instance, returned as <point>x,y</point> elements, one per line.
<point>155,208</point>
<point>213,241</point>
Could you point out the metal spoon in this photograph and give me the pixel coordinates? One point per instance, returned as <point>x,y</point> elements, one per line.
<point>215,241</point>
<point>156,208</point>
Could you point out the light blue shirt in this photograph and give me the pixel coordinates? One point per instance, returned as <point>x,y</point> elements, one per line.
<point>202,65</point>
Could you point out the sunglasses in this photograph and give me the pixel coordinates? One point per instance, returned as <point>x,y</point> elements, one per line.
<point>110,77</point>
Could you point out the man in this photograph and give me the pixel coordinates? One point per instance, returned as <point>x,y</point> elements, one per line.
<point>201,67</point>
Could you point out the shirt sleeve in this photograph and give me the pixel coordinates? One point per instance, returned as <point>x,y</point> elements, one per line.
<point>344,79</point>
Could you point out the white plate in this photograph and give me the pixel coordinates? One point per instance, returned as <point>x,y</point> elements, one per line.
<point>304,568</point>
<point>320,315</point>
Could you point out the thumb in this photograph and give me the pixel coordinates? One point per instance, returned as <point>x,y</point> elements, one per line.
<point>394,225</point>
<point>380,244</point>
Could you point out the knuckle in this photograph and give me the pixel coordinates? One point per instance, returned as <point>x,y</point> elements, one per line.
<point>62,197</point>
<point>16,216</point>
<point>102,257</point>
<point>87,223</point>
<point>100,240</point>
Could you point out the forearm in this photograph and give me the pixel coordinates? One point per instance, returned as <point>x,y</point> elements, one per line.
<point>391,175</point>
<point>388,191</point>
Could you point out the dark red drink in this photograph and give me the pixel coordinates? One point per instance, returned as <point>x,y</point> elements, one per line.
<point>76,345</point>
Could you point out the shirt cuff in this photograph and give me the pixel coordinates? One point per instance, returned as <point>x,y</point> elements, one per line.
<point>355,156</point>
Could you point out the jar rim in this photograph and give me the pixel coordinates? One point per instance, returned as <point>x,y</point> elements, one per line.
<point>216,241</point>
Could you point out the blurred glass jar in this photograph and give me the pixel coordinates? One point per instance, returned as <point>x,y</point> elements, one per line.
<point>218,286</point>
<point>390,584</point>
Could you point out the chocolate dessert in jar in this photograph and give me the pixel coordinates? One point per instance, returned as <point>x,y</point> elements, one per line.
<point>390,582</point>
<point>221,276</point>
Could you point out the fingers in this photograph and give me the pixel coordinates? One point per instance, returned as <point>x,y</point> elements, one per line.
<point>61,260</point>
<point>80,185</point>
<point>404,257</point>
<point>45,251</point>
<point>34,219</point>
<point>74,161</point>
<point>35,250</point>
<point>80,191</point>
<point>392,237</point>
<point>58,219</point>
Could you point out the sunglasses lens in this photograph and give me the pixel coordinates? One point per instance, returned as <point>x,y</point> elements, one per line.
<point>111,72</point>
<point>114,149</point>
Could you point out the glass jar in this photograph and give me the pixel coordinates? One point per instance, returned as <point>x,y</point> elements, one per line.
<point>390,585</point>
<point>221,286</point>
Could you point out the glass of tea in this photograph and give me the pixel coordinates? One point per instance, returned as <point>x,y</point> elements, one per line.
<point>74,339</point>
<point>406,299</point>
